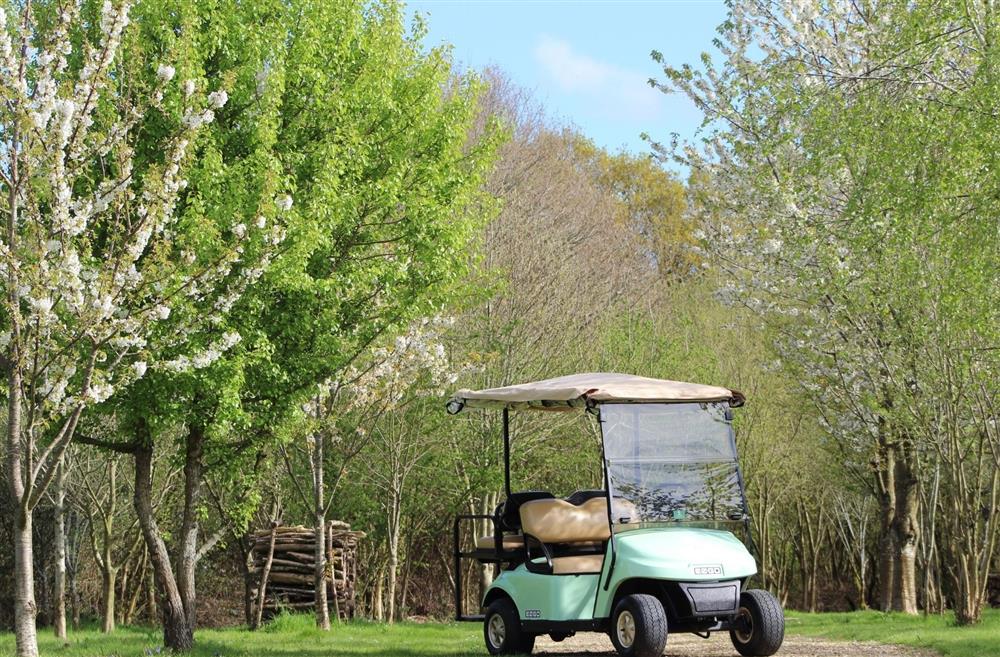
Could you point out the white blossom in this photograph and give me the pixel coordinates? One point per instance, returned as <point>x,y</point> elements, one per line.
<point>218,99</point>
<point>285,203</point>
<point>100,392</point>
<point>165,72</point>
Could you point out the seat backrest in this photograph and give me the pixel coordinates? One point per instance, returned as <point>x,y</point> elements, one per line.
<point>558,521</point>
<point>510,515</point>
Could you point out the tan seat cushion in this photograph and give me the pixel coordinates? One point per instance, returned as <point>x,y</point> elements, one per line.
<point>510,542</point>
<point>590,563</point>
<point>558,521</point>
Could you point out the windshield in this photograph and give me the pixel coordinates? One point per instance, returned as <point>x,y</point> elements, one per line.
<point>671,463</point>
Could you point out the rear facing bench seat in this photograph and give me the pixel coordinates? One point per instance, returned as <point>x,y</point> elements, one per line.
<point>510,542</point>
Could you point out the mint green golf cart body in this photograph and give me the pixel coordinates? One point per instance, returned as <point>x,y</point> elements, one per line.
<point>642,554</point>
<point>664,525</point>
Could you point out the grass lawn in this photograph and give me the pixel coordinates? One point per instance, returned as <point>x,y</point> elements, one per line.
<point>938,633</point>
<point>287,636</point>
<point>295,636</point>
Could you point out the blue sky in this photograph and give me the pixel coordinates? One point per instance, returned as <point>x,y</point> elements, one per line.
<point>586,61</point>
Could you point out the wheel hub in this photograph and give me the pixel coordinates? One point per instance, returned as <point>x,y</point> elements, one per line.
<point>625,628</point>
<point>743,626</point>
<point>496,630</point>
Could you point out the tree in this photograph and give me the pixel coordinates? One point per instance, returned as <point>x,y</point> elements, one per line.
<point>842,176</point>
<point>651,203</point>
<point>93,254</point>
<point>358,145</point>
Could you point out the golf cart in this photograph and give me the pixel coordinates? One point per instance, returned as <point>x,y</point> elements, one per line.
<point>654,549</point>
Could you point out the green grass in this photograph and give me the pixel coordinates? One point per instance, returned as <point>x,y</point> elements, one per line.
<point>295,636</point>
<point>287,636</point>
<point>939,633</point>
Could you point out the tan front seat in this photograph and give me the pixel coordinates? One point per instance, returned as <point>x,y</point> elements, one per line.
<point>558,521</point>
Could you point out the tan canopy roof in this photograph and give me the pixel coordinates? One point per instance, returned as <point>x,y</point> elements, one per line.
<point>565,392</point>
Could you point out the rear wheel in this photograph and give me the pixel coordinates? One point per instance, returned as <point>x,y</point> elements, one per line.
<point>639,626</point>
<point>502,630</point>
<point>759,624</point>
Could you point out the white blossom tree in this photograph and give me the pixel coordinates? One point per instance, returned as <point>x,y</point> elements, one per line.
<point>846,189</point>
<point>94,257</point>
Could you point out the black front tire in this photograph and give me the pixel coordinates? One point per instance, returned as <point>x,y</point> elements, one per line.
<point>639,626</point>
<point>502,630</point>
<point>763,624</point>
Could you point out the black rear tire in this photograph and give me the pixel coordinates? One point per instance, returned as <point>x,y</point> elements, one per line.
<point>502,630</point>
<point>639,626</point>
<point>764,624</point>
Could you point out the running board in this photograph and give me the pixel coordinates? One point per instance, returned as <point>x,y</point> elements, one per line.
<point>478,618</point>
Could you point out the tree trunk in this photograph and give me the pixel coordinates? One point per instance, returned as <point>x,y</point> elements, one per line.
<point>378,608</point>
<point>262,590</point>
<point>395,510</point>
<point>906,531</point>
<point>319,526</point>
<point>75,602</point>
<point>25,633</point>
<point>177,633</point>
<point>24,588</point>
<point>194,446</point>
<point>59,556</point>
<point>885,478</point>
<point>108,599</point>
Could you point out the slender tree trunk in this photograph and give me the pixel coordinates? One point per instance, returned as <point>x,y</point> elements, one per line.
<point>319,525</point>
<point>108,598</point>
<point>262,590</point>
<point>188,560</point>
<point>59,556</point>
<point>25,633</point>
<point>74,596</point>
<point>887,573</point>
<point>395,509</point>
<point>378,608</point>
<point>906,532</point>
<point>24,587</point>
<point>177,633</point>
<point>151,606</point>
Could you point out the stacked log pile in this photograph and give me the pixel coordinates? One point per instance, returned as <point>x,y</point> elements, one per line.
<point>288,569</point>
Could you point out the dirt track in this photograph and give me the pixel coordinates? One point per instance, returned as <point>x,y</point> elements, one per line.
<point>687,645</point>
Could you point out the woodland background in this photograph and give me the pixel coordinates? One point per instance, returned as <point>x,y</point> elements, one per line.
<point>250,248</point>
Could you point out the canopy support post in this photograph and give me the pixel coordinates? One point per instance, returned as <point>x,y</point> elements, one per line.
<point>506,450</point>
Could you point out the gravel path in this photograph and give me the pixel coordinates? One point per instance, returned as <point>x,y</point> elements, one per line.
<point>591,644</point>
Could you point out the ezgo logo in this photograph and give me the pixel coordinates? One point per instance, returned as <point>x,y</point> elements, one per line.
<point>707,570</point>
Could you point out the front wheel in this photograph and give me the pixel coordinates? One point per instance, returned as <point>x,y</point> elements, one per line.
<point>759,626</point>
<point>639,626</point>
<point>502,630</point>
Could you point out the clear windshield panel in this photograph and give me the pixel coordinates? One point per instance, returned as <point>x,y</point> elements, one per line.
<point>670,463</point>
<point>681,432</point>
<point>667,491</point>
